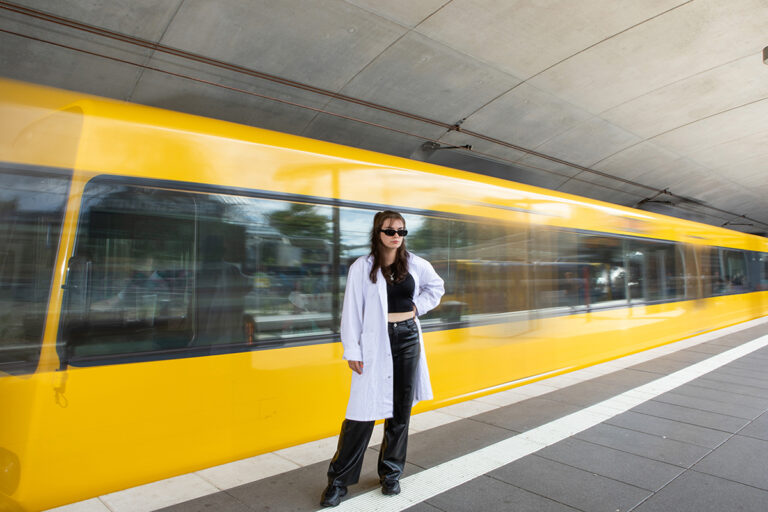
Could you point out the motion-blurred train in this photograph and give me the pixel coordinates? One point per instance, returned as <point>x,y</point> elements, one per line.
<point>170,287</point>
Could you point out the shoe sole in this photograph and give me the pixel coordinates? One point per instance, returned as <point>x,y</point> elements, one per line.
<point>328,504</point>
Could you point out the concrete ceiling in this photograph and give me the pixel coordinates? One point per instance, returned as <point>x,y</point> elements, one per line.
<point>660,104</point>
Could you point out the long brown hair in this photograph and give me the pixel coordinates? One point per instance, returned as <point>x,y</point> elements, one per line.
<point>400,266</point>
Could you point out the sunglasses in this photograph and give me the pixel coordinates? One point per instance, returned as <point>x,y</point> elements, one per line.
<point>391,232</point>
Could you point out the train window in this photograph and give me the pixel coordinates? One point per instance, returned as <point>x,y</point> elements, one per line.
<point>674,273</point>
<point>131,281</point>
<point>31,212</point>
<point>430,238</point>
<point>711,274</point>
<point>603,270</point>
<point>491,270</point>
<point>557,273</point>
<point>640,279</point>
<point>656,271</point>
<point>289,252</point>
<point>735,268</point>
<point>170,270</point>
<point>691,264</point>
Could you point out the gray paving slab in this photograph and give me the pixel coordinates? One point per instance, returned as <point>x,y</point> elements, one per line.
<point>728,378</point>
<point>726,342</point>
<point>743,335</point>
<point>758,428</point>
<point>694,389</point>
<point>661,366</point>
<point>630,377</point>
<point>737,338</point>
<point>749,364</point>
<point>693,416</point>
<point>707,348</point>
<point>758,375</point>
<point>760,355</point>
<point>671,429</point>
<point>697,492</point>
<point>741,459</point>
<point>219,502</point>
<point>619,465</point>
<point>527,415</point>
<point>647,445</point>
<point>571,486</point>
<point>488,494</point>
<point>435,446</point>
<point>588,393</point>
<point>423,507</point>
<point>688,356</point>
<point>741,389</point>
<point>705,404</point>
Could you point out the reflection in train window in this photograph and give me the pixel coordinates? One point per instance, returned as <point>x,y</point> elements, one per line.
<point>156,270</point>
<point>735,269</point>
<point>558,275</point>
<point>484,266</point>
<point>656,271</point>
<point>603,270</point>
<point>130,286</point>
<point>763,269</point>
<point>31,212</point>
<point>711,273</point>
<point>290,256</point>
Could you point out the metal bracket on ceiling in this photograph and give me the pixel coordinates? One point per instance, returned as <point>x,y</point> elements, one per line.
<point>434,146</point>
<point>653,199</point>
<point>731,223</point>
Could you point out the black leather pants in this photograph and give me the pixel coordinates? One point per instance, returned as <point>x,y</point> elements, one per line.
<point>353,441</point>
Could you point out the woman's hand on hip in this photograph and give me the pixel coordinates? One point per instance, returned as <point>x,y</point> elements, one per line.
<point>356,366</point>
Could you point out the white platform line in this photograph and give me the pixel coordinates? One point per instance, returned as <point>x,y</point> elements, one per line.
<point>443,477</point>
<point>149,497</point>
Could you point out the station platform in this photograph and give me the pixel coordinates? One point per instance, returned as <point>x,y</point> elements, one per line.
<point>680,427</point>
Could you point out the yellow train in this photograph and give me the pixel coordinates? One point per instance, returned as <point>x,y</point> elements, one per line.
<point>170,287</point>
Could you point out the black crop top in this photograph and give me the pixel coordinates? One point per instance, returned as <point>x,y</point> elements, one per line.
<point>400,295</point>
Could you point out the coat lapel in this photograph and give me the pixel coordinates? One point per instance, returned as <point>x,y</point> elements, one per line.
<point>381,284</point>
<point>381,287</point>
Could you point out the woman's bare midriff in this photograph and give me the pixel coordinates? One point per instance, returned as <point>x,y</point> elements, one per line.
<point>400,317</point>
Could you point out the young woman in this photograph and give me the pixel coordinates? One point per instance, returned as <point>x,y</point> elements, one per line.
<point>383,346</point>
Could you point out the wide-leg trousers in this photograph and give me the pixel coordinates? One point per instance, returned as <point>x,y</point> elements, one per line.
<point>347,462</point>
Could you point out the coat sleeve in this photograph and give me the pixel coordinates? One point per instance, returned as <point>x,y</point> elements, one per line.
<point>431,288</point>
<point>352,313</point>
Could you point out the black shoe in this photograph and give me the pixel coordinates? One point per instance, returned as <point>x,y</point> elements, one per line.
<point>332,495</point>
<point>390,487</point>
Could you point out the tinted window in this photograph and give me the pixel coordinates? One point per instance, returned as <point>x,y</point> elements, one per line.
<point>711,276</point>
<point>559,279</point>
<point>31,212</point>
<point>735,269</point>
<point>656,270</point>
<point>171,270</point>
<point>484,265</point>
<point>603,268</point>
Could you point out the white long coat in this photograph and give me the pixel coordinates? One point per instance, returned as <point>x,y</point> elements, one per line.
<point>365,338</point>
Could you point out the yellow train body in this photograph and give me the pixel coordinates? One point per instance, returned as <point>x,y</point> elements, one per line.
<point>71,432</point>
